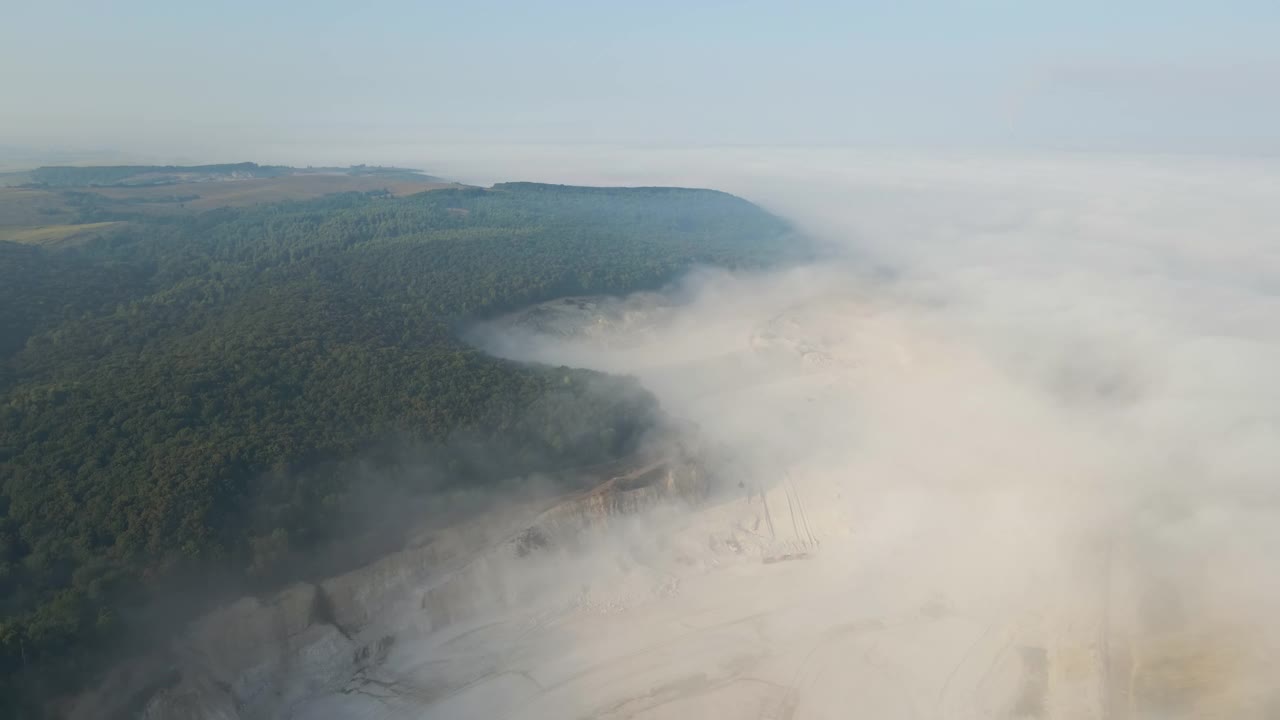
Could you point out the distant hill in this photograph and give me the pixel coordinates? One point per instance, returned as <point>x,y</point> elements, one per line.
<point>69,176</point>
<point>60,206</point>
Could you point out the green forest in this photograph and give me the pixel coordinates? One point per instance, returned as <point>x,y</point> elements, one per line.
<point>181,398</point>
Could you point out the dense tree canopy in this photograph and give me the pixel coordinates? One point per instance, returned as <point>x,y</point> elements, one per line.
<point>176,397</point>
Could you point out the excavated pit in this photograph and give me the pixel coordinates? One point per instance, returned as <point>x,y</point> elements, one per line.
<point>263,657</point>
<point>918,566</point>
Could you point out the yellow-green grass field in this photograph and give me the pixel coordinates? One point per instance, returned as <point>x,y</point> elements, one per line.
<point>54,234</point>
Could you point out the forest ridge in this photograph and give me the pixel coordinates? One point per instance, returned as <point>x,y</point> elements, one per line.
<point>179,393</point>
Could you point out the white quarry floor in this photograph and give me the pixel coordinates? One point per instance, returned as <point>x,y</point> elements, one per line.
<point>919,532</point>
<point>768,628</point>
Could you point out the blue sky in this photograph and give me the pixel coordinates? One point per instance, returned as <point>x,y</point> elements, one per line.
<point>1113,75</point>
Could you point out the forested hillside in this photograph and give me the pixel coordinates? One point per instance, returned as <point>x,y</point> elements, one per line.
<point>177,396</point>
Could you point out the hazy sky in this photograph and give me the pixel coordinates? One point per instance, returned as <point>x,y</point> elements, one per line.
<point>164,76</point>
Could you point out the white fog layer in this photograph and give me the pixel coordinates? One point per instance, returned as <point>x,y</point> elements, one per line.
<point>1011,452</point>
<point>1030,420</point>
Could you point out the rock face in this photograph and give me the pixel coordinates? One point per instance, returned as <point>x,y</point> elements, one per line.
<point>256,659</point>
<point>620,496</point>
<point>498,580</point>
<point>602,318</point>
<point>253,659</point>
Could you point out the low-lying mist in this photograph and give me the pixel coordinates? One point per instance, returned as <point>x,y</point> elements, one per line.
<point>1025,413</point>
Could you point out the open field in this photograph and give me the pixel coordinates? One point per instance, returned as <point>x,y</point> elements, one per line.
<point>54,234</point>
<point>11,178</point>
<point>30,207</point>
<point>48,216</point>
<point>237,193</point>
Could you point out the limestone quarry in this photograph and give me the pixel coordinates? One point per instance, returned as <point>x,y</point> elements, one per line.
<point>798,561</point>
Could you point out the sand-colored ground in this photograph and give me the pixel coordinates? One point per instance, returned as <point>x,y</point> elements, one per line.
<point>759,607</point>
<point>882,556</point>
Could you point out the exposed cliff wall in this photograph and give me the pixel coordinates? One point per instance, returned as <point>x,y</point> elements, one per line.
<point>258,658</point>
